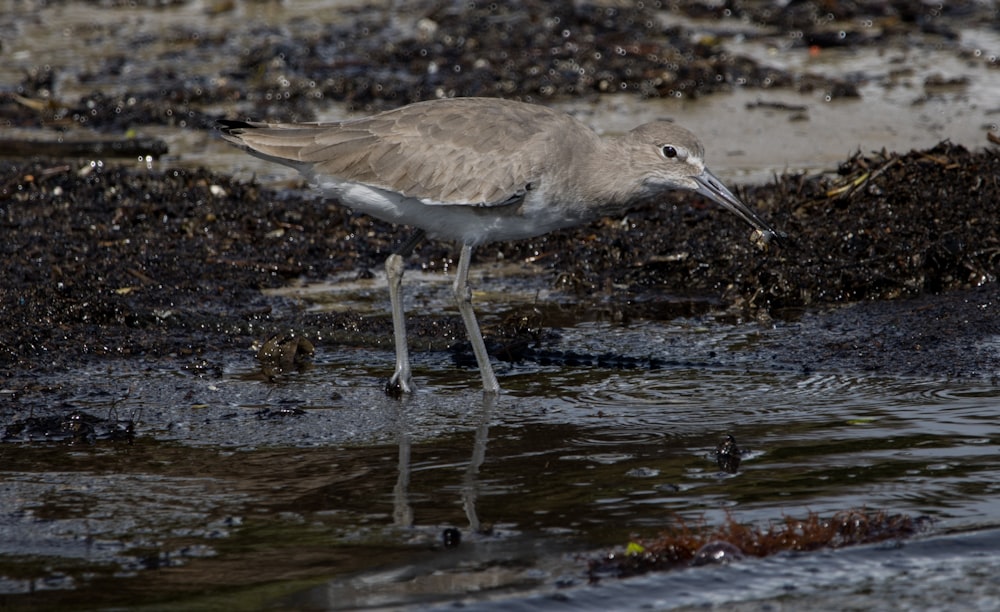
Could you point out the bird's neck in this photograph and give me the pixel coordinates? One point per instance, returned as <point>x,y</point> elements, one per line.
<point>604,178</point>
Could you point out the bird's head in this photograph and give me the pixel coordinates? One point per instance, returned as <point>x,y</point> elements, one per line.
<point>671,157</point>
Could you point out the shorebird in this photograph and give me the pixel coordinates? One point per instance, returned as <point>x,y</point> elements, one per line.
<point>478,170</point>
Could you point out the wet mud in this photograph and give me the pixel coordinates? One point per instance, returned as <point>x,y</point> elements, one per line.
<point>99,260</point>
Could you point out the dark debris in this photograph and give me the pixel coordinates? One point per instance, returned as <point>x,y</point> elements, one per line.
<point>884,226</point>
<point>728,455</point>
<point>71,428</point>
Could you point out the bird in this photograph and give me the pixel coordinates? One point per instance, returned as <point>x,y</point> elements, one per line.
<point>481,170</point>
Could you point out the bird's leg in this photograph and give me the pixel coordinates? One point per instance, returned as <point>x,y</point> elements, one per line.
<point>463,295</point>
<point>402,379</point>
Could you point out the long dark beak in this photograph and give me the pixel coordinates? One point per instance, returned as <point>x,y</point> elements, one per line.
<point>713,189</point>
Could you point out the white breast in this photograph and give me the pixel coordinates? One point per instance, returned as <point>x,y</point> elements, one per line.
<point>468,224</point>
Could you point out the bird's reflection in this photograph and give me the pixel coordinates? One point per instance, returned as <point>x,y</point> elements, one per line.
<point>470,482</point>
<point>402,509</point>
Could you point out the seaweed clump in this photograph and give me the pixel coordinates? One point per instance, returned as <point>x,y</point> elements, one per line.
<point>686,544</point>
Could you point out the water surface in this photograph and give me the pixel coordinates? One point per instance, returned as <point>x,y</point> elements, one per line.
<point>315,487</point>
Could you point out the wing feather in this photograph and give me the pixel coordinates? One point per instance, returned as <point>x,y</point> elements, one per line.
<point>464,151</point>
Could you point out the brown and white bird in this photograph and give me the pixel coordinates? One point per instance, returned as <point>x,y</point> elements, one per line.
<point>478,170</point>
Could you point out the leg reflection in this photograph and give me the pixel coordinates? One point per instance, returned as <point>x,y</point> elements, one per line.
<point>402,514</point>
<point>402,511</point>
<point>470,483</point>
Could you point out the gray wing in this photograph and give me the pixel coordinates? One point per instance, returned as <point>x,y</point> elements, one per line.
<point>465,151</point>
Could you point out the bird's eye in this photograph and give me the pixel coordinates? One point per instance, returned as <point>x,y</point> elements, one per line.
<point>669,152</point>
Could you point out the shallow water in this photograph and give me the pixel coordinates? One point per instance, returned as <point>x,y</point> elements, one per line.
<point>315,490</point>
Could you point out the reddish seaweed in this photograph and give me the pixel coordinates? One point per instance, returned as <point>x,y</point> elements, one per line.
<point>695,543</point>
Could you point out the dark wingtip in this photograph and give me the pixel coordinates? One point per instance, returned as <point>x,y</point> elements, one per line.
<point>233,127</point>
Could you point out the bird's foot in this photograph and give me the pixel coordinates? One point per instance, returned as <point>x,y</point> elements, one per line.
<point>399,384</point>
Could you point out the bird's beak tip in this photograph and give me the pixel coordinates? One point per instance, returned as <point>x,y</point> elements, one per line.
<point>763,235</point>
